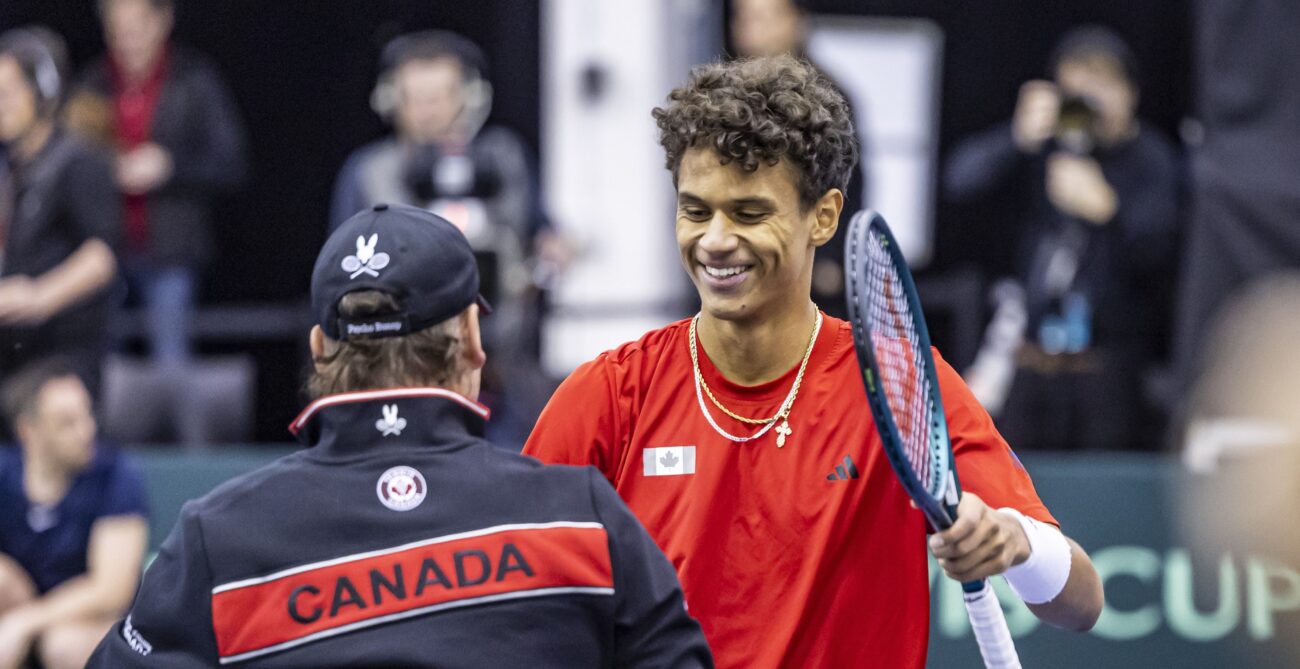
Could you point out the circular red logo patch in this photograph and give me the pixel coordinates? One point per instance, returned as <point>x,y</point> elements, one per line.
<point>401,488</point>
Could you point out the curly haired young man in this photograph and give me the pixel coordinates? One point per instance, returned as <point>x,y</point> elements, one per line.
<point>741,437</point>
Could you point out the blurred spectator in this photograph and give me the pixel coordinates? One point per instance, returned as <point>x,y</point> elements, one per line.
<point>180,144</point>
<point>1242,440</point>
<point>1245,213</point>
<point>58,224</point>
<point>768,28</point>
<point>72,523</point>
<point>1097,233</point>
<point>441,157</point>
<point>774,27</point>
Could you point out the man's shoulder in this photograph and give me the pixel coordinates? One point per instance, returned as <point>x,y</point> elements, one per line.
<point>1152,145</point>
<point>570,477</point>
<point>71,149</point>
<point>240,488</point>
<point>11,465</point>
<point>498,136</point>
<point>383,147</point>
<point>110,458</point>
<point>187,63</point>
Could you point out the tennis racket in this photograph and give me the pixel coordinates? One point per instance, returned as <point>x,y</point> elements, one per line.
<point>893,348</point>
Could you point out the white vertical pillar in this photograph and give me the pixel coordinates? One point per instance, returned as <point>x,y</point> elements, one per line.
<point>605,65</point>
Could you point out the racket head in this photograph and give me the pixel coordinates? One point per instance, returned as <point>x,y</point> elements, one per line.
<point>897,369</point>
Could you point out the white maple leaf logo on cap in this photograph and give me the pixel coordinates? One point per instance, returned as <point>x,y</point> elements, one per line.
<point>366,261</point>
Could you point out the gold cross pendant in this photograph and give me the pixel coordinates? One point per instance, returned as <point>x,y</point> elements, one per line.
<point>782,431</point>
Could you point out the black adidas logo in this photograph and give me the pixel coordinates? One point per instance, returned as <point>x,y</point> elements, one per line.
<point>844,472</point>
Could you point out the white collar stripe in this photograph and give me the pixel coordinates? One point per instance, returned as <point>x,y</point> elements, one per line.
<point>392,393</point>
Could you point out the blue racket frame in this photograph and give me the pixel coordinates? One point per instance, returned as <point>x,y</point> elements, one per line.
<point>939,507</point>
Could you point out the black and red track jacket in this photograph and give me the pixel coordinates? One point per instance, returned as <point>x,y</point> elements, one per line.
<point>403,539</point>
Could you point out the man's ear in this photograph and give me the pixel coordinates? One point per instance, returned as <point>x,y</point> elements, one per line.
<point>826,216</point>
<point>472,342</point>
<point>316,342</point>
<point>23,428</point>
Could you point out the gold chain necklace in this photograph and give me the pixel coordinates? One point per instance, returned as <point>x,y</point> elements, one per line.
<point>782,413</point>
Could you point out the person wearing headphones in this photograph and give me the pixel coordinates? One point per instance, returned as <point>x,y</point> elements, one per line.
<point>444,157</point>
<point>59,221</point>
<point>433,89</point>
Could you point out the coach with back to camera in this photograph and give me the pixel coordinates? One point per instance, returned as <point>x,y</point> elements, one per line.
<point>402,537</point>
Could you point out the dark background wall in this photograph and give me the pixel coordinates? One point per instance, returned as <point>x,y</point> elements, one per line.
<point>302,70</point>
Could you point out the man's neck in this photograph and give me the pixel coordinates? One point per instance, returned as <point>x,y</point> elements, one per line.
<point>465,385</point>
<point>26,147</point>
<point>754,352</point>
<point>140,73</point>
<point>450,138</point>
<point>44,481</point>
<point>1119,136</point>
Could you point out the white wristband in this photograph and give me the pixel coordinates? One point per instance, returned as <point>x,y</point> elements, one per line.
<point>1042,577</point>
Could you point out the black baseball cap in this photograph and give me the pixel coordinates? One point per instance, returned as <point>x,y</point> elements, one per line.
<point>420,259</point>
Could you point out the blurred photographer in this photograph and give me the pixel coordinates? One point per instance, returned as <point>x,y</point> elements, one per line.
<point>1095,245</point>
<point>442,157</point>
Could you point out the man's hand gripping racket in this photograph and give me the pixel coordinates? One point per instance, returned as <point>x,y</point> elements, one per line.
<point>893,347</point>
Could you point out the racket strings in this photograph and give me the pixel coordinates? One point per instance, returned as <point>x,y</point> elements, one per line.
<point>899,356</point>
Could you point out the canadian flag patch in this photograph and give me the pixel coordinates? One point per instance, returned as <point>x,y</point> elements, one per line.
<point>669,460</point>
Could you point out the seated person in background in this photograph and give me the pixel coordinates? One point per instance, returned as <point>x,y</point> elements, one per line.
<point>1096,237</point>
<point>72,523</point>
<point>58,218</point>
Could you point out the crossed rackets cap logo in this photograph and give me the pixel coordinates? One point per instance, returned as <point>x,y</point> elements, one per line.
<point>366,261</point>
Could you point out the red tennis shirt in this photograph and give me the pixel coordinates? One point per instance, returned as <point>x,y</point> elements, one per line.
<point>803,556</point>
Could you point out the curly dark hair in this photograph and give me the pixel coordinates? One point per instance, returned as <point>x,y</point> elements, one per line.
<point>764,109</point>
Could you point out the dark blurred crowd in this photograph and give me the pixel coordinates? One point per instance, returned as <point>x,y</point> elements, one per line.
<point>108,185</point>
<point>110,177</point>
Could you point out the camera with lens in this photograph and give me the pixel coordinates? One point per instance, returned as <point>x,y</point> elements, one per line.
<point>457,187</point>
<point>433,174</point>
<point>1076,124</point>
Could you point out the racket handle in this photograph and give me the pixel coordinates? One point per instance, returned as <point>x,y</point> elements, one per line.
<point>990,627</point>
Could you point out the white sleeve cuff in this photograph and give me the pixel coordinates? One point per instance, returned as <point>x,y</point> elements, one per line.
<point>1042,577</point>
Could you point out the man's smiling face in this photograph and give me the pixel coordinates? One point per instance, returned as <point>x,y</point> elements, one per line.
<point>745,241</point>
